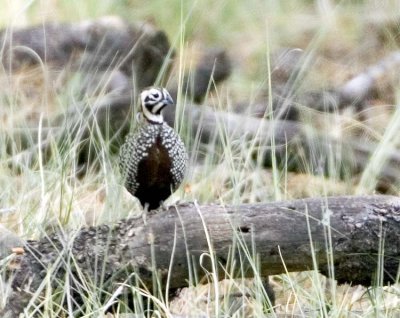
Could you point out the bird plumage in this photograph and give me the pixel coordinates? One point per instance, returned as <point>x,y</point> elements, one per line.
<point>153,158</point>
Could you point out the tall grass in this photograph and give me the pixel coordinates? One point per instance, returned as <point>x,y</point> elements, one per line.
<point>47,194</point>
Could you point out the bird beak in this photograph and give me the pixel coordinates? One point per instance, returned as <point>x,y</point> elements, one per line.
<point>169,100</point>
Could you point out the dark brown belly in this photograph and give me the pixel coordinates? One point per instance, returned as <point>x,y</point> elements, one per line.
<point>154,177</point>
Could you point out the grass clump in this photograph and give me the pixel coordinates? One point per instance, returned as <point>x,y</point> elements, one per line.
<point>44,195</point>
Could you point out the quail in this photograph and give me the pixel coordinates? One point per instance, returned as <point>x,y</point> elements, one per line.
<point>153,158</point>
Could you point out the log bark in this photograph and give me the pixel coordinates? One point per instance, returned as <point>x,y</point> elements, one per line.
<point>111,117</point>
<point>293,143</point>
<point>288,90</point>
<point>108,44</point>
<point>297,146</point>
<point>357,233</point>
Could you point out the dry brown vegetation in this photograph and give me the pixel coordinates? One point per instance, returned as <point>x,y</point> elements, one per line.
<point>280,51</point>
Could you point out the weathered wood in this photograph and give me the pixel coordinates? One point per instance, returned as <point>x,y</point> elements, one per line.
<point>110,118</point>
<point>289,95</point>
<point>296,145</point>
<point>294,142</point>
<point>362,230</point>
<point>108,44</point>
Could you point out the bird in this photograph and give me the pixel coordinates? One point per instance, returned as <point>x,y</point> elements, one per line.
<point>153,159</point>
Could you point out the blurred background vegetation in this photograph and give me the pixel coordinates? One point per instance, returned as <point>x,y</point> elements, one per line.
<point>340,39</point>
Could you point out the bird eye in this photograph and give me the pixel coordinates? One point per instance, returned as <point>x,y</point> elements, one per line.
<point>156,95</point>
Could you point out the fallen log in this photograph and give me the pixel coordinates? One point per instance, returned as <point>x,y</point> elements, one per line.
<point>109,120</point>
<point>289,97</point>
<point>102,46</point>
<point>292,143</point>
<point>347,237</point>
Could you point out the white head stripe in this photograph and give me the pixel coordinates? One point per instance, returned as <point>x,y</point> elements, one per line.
<point>152,117</point>
<point>153,101</point>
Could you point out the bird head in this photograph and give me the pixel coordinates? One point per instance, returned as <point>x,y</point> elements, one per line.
<point>154,99</point>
